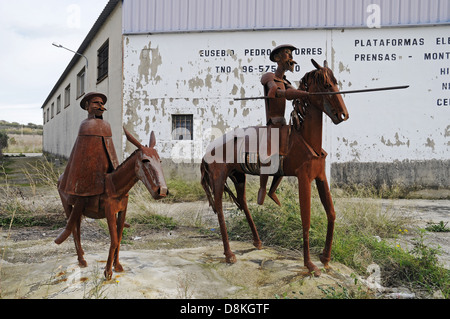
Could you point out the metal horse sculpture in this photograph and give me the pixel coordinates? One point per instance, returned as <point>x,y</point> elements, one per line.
<point>304,159</point>
<point>144,164</point>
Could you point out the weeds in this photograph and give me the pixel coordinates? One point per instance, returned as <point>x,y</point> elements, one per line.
<point>362,237</point>
<point>440,227</point>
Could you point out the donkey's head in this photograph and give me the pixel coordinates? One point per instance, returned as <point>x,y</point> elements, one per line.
<point>323,80</point>
<point>148,166</point>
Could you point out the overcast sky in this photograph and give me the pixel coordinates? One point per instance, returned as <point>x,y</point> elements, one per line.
<point>29,64</point>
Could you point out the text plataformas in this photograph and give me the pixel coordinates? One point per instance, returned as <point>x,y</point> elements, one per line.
<point>237,308</point>
<point>389,42</point>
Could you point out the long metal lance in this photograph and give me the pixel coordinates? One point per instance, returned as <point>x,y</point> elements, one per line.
<point>333,93</point>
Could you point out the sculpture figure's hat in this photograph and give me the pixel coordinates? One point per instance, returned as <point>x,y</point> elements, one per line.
<point>91,95</point>
<point>278,48</point>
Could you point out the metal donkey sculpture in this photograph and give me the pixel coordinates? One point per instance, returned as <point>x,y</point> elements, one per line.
<point>304,158</point>
<point>144,164</point>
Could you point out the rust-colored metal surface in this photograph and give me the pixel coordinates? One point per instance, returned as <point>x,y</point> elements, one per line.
<point>95,185</point>
<point>303,157</point>
<point>277,88</point>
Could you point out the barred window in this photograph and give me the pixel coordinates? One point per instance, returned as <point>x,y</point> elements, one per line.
<point>102,55</point>
<point>182,127</point>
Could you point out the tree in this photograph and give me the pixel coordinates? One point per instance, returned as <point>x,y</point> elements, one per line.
<point>3,141</point>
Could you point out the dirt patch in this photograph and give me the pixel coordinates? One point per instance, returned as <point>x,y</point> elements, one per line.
<point>180,263</point>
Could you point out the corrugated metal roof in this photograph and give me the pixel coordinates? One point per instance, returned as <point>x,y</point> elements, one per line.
<point>154,16</point>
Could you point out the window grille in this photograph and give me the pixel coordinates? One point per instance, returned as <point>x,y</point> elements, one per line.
<point>182,127</point>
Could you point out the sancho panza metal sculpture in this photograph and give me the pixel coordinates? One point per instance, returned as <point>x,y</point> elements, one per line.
<point>95,185</point>
<point>231,156</point>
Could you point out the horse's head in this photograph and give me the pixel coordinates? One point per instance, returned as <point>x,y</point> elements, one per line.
<point>148,166</point>
<point>323,80</point>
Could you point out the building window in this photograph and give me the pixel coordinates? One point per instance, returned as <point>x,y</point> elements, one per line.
<point>81,79</point>
<point>48,114</point>
<point>67,96</point>
<point>182,127</point>
<point>102,58</point>
<point>58,104</point>
<point>44,117</point>
<point>53,109</point>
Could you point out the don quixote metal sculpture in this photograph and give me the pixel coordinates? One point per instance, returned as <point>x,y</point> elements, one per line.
<point>280,150</point>
<point>94,185</point>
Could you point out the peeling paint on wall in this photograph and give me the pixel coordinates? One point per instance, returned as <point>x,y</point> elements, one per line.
<point>164,74</point>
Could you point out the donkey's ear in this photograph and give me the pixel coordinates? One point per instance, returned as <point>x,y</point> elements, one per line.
<point>152,139</point>
<point>132,139</point>
<point>316,65</point>
<point>325,64</point>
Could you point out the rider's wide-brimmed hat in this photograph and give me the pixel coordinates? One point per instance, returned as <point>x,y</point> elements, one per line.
<point>89,96</point>
<point>278,48</point>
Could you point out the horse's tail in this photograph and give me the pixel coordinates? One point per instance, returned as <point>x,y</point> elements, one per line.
<point>208,185</point>
<point>207,182</point>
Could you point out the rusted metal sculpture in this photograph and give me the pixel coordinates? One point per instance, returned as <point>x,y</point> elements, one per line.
<point>304,159</point>
<point>277,88</point>
<point>94,185</point>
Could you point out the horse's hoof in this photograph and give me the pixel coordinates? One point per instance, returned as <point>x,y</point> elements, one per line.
<point>313,269</point>
<point>257,244</point>
<point>230,259</point>
<point>82,263</point>
<point>324,260</point>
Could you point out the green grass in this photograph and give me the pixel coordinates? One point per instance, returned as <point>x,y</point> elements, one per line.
<point>363,236</point>
<point>184,191</point>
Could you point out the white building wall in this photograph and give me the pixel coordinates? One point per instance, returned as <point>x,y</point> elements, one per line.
<point>412,124</point>
<point>174,73</point>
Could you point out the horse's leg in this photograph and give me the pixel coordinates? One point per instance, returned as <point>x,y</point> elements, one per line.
<point>327,202</point>
<point>219,182</point>
<point>112,226</point>
<point>304,193</point>
<point>273,187</point>
<point>239,184</point>
<point>120,224</point>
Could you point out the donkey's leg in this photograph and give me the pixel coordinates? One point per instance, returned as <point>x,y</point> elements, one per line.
<point>239,184</point>
<point>77,240</point>
<point>327,202</point>
<point>76,228</point>
<point>304,192</point>
<point>120,225</point>
<point>75,214</point>
<point>112,226</point>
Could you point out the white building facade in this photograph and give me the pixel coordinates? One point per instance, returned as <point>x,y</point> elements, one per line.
<point>175,67</point>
